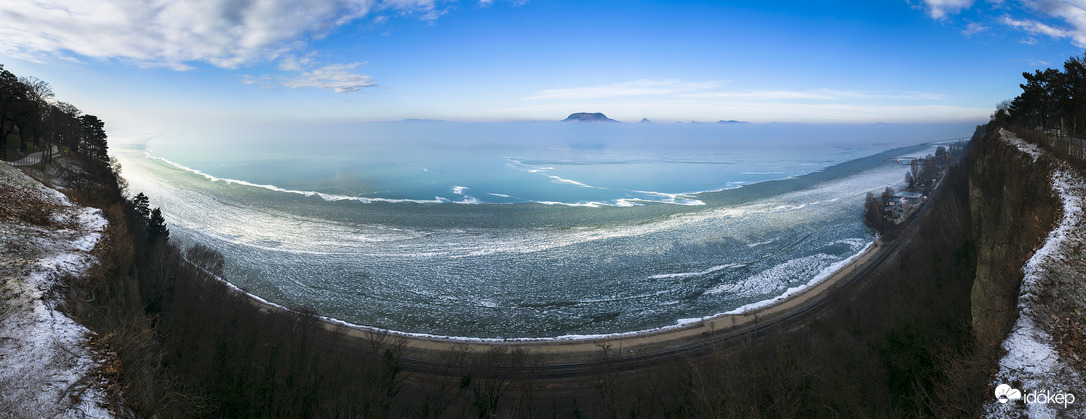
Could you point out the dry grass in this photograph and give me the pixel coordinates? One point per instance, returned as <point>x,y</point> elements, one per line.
<point>26,206</point>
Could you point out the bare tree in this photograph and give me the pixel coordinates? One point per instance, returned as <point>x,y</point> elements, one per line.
<point>32,124</point>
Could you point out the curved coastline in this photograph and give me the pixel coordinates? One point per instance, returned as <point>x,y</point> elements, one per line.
<point>726,319</point>
<point>582,348</point>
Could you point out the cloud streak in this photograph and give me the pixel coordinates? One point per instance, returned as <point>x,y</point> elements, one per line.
<point>713,90</point>
<point>677,99</point>
<point>626,89</point>
<point>941,9</point>
<point>1070,13</point>
<point>337,77</point>
<point>760,111</point>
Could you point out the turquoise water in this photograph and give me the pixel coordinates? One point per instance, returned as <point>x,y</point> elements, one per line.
<point>524,230</point>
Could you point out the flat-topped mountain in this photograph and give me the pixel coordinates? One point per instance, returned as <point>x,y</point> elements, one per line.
<point>589,117</point>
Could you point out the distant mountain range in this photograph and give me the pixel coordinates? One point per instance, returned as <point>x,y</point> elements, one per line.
<point>600,117</point>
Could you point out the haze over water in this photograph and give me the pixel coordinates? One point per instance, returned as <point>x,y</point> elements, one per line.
<point>504,230</point>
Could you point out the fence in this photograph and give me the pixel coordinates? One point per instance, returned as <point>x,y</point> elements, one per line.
<point>1068,146</point>
<point>32,158</point>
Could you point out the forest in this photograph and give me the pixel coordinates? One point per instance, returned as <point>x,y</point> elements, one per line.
<point>28,108</point>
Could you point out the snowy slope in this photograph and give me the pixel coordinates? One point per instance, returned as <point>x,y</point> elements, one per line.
<point>1051,285</point>
<point>45,362</point>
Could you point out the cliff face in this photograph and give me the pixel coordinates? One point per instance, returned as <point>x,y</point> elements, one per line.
<point>1013,209</point>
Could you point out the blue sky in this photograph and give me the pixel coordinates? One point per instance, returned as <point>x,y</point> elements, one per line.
<point>143,64</point>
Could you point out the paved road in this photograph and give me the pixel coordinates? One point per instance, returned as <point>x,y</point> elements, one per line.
<point>32,158</point>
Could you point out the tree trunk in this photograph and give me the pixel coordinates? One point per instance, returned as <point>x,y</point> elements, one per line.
<point>4,141</point>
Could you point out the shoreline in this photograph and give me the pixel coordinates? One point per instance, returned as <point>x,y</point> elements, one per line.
<point>586,348</point>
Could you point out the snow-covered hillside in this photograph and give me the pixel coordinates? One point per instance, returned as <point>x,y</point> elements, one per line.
<point>47,368</point>
<point>1044,349</point>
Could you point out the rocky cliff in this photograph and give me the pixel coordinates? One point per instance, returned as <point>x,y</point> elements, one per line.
<point>1028,203</point>
<point>1013,209</point>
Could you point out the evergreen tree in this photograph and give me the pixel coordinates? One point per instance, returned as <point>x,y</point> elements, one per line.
<point>94,138</point>
<point>143,207</point>
<point>156,226</point>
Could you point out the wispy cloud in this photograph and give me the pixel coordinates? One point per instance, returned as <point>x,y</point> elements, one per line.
<point>1058,19</point>
<point>177,34</point>
<point>761,111</point>
<point>627,89</point>
<point>336,77</point>
<point>1035,27</point>
<point>1071,14</point>
<point>714,90</point>
<point>713,100</point>
<point>941,9</point>
<point>973,29</point>
<point>814,95</point>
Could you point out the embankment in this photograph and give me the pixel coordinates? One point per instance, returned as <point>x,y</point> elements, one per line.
<point>1013,208</point>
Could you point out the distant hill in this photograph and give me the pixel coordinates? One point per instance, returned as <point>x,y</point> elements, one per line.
<point>731,121</point>
<point>645,121</point>
<point>588,117</point>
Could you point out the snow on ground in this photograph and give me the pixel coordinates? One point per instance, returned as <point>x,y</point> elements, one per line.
<point>1032,149</point>
<point>1051,284</point>
<point>46,366</point>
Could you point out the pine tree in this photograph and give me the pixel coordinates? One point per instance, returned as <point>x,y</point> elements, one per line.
<point>94,138</point>
<point>156,226</point>
<point>143,207</point>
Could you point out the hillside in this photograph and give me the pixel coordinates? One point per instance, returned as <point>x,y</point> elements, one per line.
<point>1042,302</point>
<point>50,368</point>
<point>588,117</point>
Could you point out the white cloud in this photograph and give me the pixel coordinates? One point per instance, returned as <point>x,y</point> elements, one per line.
<point>176,34</point>
<point>337,77</point>
<point>1071,12</point>
<point>291,62</point>
<point>814,95</point>
<point>940,9</point>
<point>626,89</point>
<point>709,101</point>
<point>1035,27</point>
<point>973,29</point>
<point>711,90</point>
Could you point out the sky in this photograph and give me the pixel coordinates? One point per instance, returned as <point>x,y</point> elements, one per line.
<point>144,64</point>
